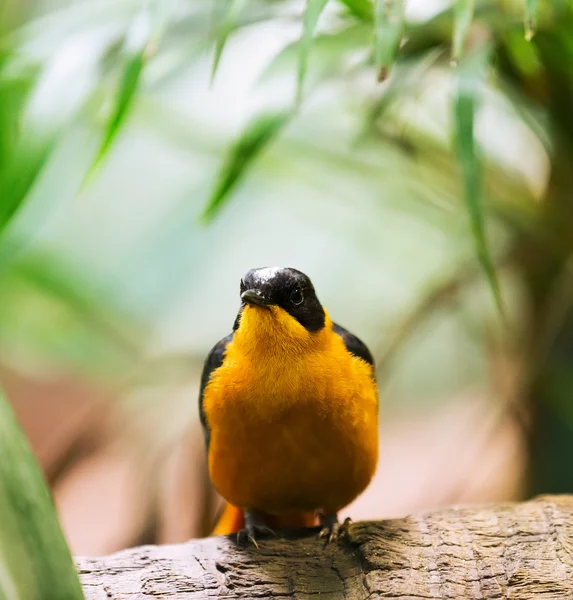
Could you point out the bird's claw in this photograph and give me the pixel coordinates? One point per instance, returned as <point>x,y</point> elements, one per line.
<point>251,533</point>
<point>332,530</point>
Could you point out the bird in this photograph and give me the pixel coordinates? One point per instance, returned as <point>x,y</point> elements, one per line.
<point>288,402</point>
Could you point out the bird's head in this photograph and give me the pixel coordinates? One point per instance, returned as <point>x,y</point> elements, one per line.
<point>279,301</point>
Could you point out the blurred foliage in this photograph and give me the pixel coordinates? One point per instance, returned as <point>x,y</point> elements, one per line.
<point>34,558</point>
<point>407,155</point>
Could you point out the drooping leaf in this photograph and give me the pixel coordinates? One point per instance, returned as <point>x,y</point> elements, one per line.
<point>34,557</point>
<point>20,174</point>
<point>469,79</point>
<point>125,95</point>
<point>135,54</point>
<point>312,13</point>
<point>388,28</point>
<point>23,153</point>
<point>523,55</point>
<point>140,42</point>
<point>233,10</point>
<point>530,18</point>
<point>362,9</point>
<point>12,94</point>
<point>259,132</point>
<point>463,15</point>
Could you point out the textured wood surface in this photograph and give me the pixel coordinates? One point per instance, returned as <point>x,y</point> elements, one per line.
<point>513,551</point>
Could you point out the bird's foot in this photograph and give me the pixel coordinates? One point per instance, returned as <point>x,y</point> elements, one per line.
<point>255,528</point>
<point>332,530</point>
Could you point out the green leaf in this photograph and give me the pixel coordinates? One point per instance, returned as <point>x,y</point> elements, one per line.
<point>23,153</point>
<point>312,13</point>
<point>20,174</point>
<point>233,11</point>
<point>388,27</point>
<point>259,132</point>
<point>463,15</point>
<point>360,8</point>
<point>35,563</point>
<point>469,78</point>
<point>136,48</point>
<point>140,43</point>
<point>523,55</point>
<point>12,94</point>
<point>530,18</point>
<point>125,96</point>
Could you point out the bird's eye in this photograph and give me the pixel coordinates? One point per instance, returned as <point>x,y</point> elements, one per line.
<point>296,296</point>
<point>242,286</point>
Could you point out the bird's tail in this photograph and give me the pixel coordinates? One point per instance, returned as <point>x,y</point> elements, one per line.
<point>232,520</point>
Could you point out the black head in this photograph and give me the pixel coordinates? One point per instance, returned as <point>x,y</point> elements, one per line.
<point>287,288</point>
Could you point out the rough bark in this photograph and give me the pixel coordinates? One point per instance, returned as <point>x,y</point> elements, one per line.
<point>509,550</point>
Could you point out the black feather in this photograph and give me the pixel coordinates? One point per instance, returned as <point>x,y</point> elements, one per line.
<point>213,361</point>
<point>353,344</point>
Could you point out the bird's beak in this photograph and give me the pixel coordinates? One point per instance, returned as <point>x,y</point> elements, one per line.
<point>254,297</point>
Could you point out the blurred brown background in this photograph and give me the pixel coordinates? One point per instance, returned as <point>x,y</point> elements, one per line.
<point>116,485</point>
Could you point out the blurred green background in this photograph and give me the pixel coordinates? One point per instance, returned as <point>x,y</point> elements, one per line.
<point>140,177</point>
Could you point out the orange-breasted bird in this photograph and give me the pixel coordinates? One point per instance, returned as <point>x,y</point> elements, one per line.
<point>289,407</point>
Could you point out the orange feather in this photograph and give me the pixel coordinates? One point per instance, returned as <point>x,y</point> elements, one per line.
<point>293,420</point>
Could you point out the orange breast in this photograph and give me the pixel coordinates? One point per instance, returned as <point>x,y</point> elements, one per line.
<point>292,431</point>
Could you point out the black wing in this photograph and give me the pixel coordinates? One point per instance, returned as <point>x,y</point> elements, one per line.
<point>213,361</point>
<point>354,345</point>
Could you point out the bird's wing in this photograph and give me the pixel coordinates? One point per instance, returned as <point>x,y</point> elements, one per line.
<point>213,361</point>
<point>353,344</point>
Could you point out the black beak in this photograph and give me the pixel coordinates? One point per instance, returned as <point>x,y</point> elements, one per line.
<point>254,297</point>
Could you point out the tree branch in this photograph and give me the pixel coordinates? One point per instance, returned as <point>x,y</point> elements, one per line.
<point>513,550</point>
